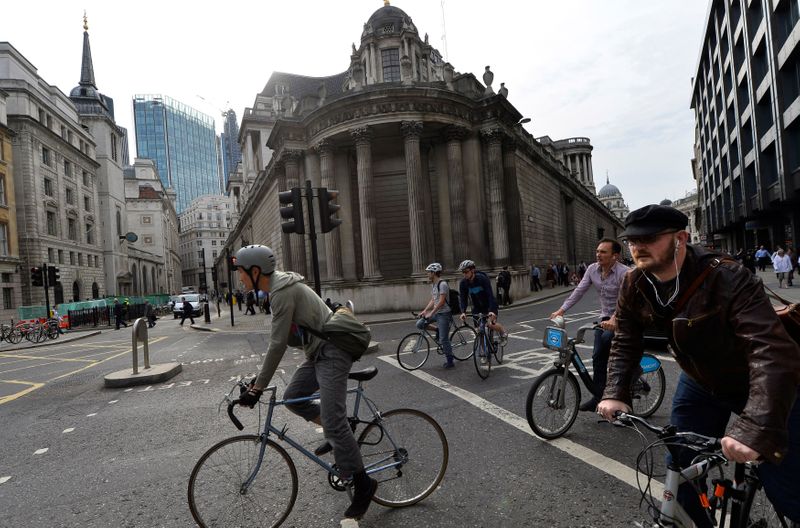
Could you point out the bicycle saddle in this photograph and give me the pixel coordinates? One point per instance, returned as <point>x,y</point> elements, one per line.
<point>364,374</point>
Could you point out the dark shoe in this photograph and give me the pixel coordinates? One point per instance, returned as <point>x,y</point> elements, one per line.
<point>364,489</point>
<point>589,406</point>
<point>323,449</point>
<point>448,364</point>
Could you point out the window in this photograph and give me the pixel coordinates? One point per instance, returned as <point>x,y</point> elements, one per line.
<point>114,147</point>
<point>89,234</point>
<point>70,196</point>
<point>48,187</point>
<point>147,219</point>
<point>42,118</point>
<point>390,58</point>
<point>50,255</point>
<point>60,256</point>
<point>87,203</point>
<point>49,121</point>
<point>51,224</point>
<point>2,188</point>
<point>119,223</point>
<point>80,259</point>
<point>72,257</point>
<point>87,180</point>
<point>213,242</point>
<point>4,240</point>
<point>199,243</point>
<point>6,277</point>
<point>63,132</point>
<point>2,149</point>
<point>46,156</point>
<point>8,298</point>
<point>148,241</point>
<point>200,255</point>
<point>72,230</point>
<point>67,168</point>
<point>214,254</point>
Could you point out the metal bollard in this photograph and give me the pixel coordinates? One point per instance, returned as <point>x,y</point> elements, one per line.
<point>140,332</point>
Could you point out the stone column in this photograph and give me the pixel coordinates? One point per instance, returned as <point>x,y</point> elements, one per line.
<point>458,210</point>
<point>497,206</point>
<point>286,249</point>
<point>418,227</point>
<point>333,244</point>
<point>297,243</point>
<point>369,228</point>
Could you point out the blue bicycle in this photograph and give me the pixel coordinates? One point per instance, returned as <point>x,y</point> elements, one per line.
<point>250,480</point>
<point>554,398</point>
<point>485,346</point>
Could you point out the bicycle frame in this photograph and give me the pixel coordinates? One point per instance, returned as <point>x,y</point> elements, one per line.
<point>427,331</point>
<point>482,333</point>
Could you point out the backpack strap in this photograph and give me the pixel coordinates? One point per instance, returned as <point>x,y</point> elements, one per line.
<point>699,280</point>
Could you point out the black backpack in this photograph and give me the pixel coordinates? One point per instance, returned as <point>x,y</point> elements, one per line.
<point>453,299</point>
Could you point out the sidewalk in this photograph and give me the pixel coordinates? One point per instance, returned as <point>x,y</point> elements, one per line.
<point>771,280</point>
<point>74,335</point>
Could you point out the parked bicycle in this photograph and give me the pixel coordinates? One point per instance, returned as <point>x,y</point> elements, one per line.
<point>10,333</point>
<point>413,349</point>
<point>485,346</point>
<point>740,502</point>
<point>554,398</point>
<point>250,480</point>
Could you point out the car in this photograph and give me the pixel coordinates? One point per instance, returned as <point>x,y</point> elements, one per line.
<point>194,299</point>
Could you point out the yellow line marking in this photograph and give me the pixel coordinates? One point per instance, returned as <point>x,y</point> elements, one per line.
<point>11,397</point>
<point>55,359</point>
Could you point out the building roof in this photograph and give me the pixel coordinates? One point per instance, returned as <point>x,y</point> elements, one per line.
<point>608,191</point>
<point>388,15</point>
<point>665,201</point>
<point>302,85</point>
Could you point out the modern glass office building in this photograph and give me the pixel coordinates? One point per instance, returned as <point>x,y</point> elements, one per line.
<point>181,141</point>
<point>231,153</point>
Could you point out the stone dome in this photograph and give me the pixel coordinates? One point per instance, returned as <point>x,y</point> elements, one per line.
<point>84,91</point>
<point>608,190</point>
<point>388,20</point>
<point>665,201</point>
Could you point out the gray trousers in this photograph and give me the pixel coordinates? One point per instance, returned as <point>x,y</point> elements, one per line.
<point>327,373</point>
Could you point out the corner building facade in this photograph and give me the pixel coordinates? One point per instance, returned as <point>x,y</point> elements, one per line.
<point>746,99</point>
<point>431,165</point>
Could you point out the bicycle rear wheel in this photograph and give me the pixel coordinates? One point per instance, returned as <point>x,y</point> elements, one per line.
<point>648,390</point>
<point>758,510</point>
<point>498,349</point>
<point>482,356</point>
<point>546,415</point>
<point>407,452</point>
<point>216,494</point>
<point>461,340</point>
<point>15,336</point>
<point>413,350</point>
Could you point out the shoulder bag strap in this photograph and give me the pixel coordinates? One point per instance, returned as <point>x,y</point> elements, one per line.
<point>776,296</point>
<point>699,280</point>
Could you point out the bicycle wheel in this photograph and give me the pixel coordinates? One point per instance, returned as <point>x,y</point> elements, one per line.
<point>462,339</point>
<point>482,356</point>
<point>546,415</point>
<point>758,510</point>
<point>40,334</point>
<point>412,451</point>
<point>52,331</point>
<point>648,390</point>
<point>413,350</point>
<point>15,336</point>
<point>216,494</point>
<point>498,350</point>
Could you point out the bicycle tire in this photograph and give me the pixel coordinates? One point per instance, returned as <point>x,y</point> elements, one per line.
<point>410,435</point>
<point>214,493</point>
<point>413,351</point>
<point>15,336</point>
<point>30,335</point>
<point>52,331</point>
<point>757,511</point>
<point>553,420</point>
<point>461,340</point>
<point>498,350</point>
<point>41,334</point>
<point>481,356</point>
<point>648,391</point>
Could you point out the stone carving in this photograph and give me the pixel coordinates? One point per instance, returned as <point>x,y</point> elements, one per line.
<point>492,134</point>
<point>405,70</point>
<point>361,135</point>
<point>291,156</point>
<point>426,39</point>
<point>358,76</point>
<point>411,128</point>
<point>353,44</point>
<point>488,77</point>
<point>455,133</point>
<point>503,90</point>
<point>448,74</point>
<point>322,93</point>
<point>367,30</point>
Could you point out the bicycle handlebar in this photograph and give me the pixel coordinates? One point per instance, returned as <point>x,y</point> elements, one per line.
<point>232,416</point>
<point>582,330</point>
<point>706,443</point>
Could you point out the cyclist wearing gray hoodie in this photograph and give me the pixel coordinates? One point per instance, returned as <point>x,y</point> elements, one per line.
<point>295,306</point>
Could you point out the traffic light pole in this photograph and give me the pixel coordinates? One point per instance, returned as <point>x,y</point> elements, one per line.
<point>312,233</point>
<point>46,290</point>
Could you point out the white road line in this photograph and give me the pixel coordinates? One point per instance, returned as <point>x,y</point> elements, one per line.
<point>41,451</point>
<point>112,402</point>
<point>3,480</point>
<point>68,430</point>
<point>584,454</point>
<point>90,415</point>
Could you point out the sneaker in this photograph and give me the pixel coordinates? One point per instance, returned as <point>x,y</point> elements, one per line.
<point>483,360</point>
<point>448,365</point>
<point>364,488</point>
<point>323,449</point>
<point>504,339</point>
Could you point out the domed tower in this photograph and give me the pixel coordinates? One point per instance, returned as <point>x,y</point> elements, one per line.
<point>666,201</point>
<point>611,197</point>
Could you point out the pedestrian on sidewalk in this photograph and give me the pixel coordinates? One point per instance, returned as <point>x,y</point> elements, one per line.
<point>550,275</point>
<point>187,310</point>
<point>148,313</point>
<point>792,262</point>
<point>749,261</point>
<point>536,283</point>
<point>782,265</point>
<point>239,299</point>
<point>251,301</point>
<point>762,258</point>
<point>118,313</point>
<point>503,283</point>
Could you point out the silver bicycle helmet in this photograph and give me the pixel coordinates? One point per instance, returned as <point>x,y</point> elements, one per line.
<point>256,255</point>
<point>466,265</point>
<point>435,267</point>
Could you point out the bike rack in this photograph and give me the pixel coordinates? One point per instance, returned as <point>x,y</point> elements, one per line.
<point>140,332</point>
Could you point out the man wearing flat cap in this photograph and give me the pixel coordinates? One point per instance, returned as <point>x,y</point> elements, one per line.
<point>735,354</point>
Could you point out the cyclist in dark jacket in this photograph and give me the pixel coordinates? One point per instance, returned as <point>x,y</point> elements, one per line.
<point>477,286</point>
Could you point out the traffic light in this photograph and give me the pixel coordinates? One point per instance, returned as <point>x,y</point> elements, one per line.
<point>52,275</point>
<point>292,212</point>
<point>327,209</point>
<point>232,263</point>
<point>37,278</point>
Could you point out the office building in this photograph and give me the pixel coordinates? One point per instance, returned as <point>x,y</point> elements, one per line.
<point>204,227</point>
<point>10,263</point>
<point>231,153</point>
<point>182,142</point>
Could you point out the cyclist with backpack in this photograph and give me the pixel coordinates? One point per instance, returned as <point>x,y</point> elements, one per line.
<point>438,310</point>
<point>477,286</point>
<point>296,307</point>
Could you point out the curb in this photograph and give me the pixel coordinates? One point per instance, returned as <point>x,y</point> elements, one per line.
<point>52,342</point>
<point>204,328</point>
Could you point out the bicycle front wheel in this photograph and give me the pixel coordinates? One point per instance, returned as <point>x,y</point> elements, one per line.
<point>407,452</point>
<point>413,350</point>
<point>219,497</point>
<point>15,336</point>
<point>547,416</point>
<point>648,390</point>
<point>461,340</point>
<point>482,356</point>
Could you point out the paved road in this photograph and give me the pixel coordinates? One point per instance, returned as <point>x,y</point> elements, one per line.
<point>73,453</point>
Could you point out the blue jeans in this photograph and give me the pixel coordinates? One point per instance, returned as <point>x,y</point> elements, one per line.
<point>600,353</point>
<point>443,321</point>
<point>695,409</point>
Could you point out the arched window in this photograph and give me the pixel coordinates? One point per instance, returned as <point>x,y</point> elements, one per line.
<point>95,291</point>
<point>76,291</point>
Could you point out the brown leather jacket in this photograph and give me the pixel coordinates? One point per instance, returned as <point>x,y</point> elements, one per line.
<point>726,337</point>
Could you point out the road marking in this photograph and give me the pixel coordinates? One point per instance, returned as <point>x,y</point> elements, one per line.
<point>3,480</point>
<point>90,415</point>
<point>584,454</point>
<point>68,430</point>
<point>41,451</point>
<point>112,402</point>
<point>31,387</point>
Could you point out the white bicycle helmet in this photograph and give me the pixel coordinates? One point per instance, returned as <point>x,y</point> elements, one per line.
<point>466,265</point>
<point>256,255</point>
<point>435,267</point>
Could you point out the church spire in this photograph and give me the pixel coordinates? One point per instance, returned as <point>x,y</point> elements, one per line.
<point>87,69</point>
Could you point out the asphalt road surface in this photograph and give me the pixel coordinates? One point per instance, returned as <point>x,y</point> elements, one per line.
<point>73,453</point>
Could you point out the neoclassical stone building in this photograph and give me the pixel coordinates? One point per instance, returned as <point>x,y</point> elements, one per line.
<point>431,165</point>
<point>611,197</point>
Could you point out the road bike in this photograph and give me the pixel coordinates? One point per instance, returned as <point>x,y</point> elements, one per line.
<point>740,502</point>
<point>413,349</point>
<point>250,480</point>
<point>10,333</point>
<point>485,346</point>
<point>555,397</point>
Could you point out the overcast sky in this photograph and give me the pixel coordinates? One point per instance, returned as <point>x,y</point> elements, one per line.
<point>616,71</point>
